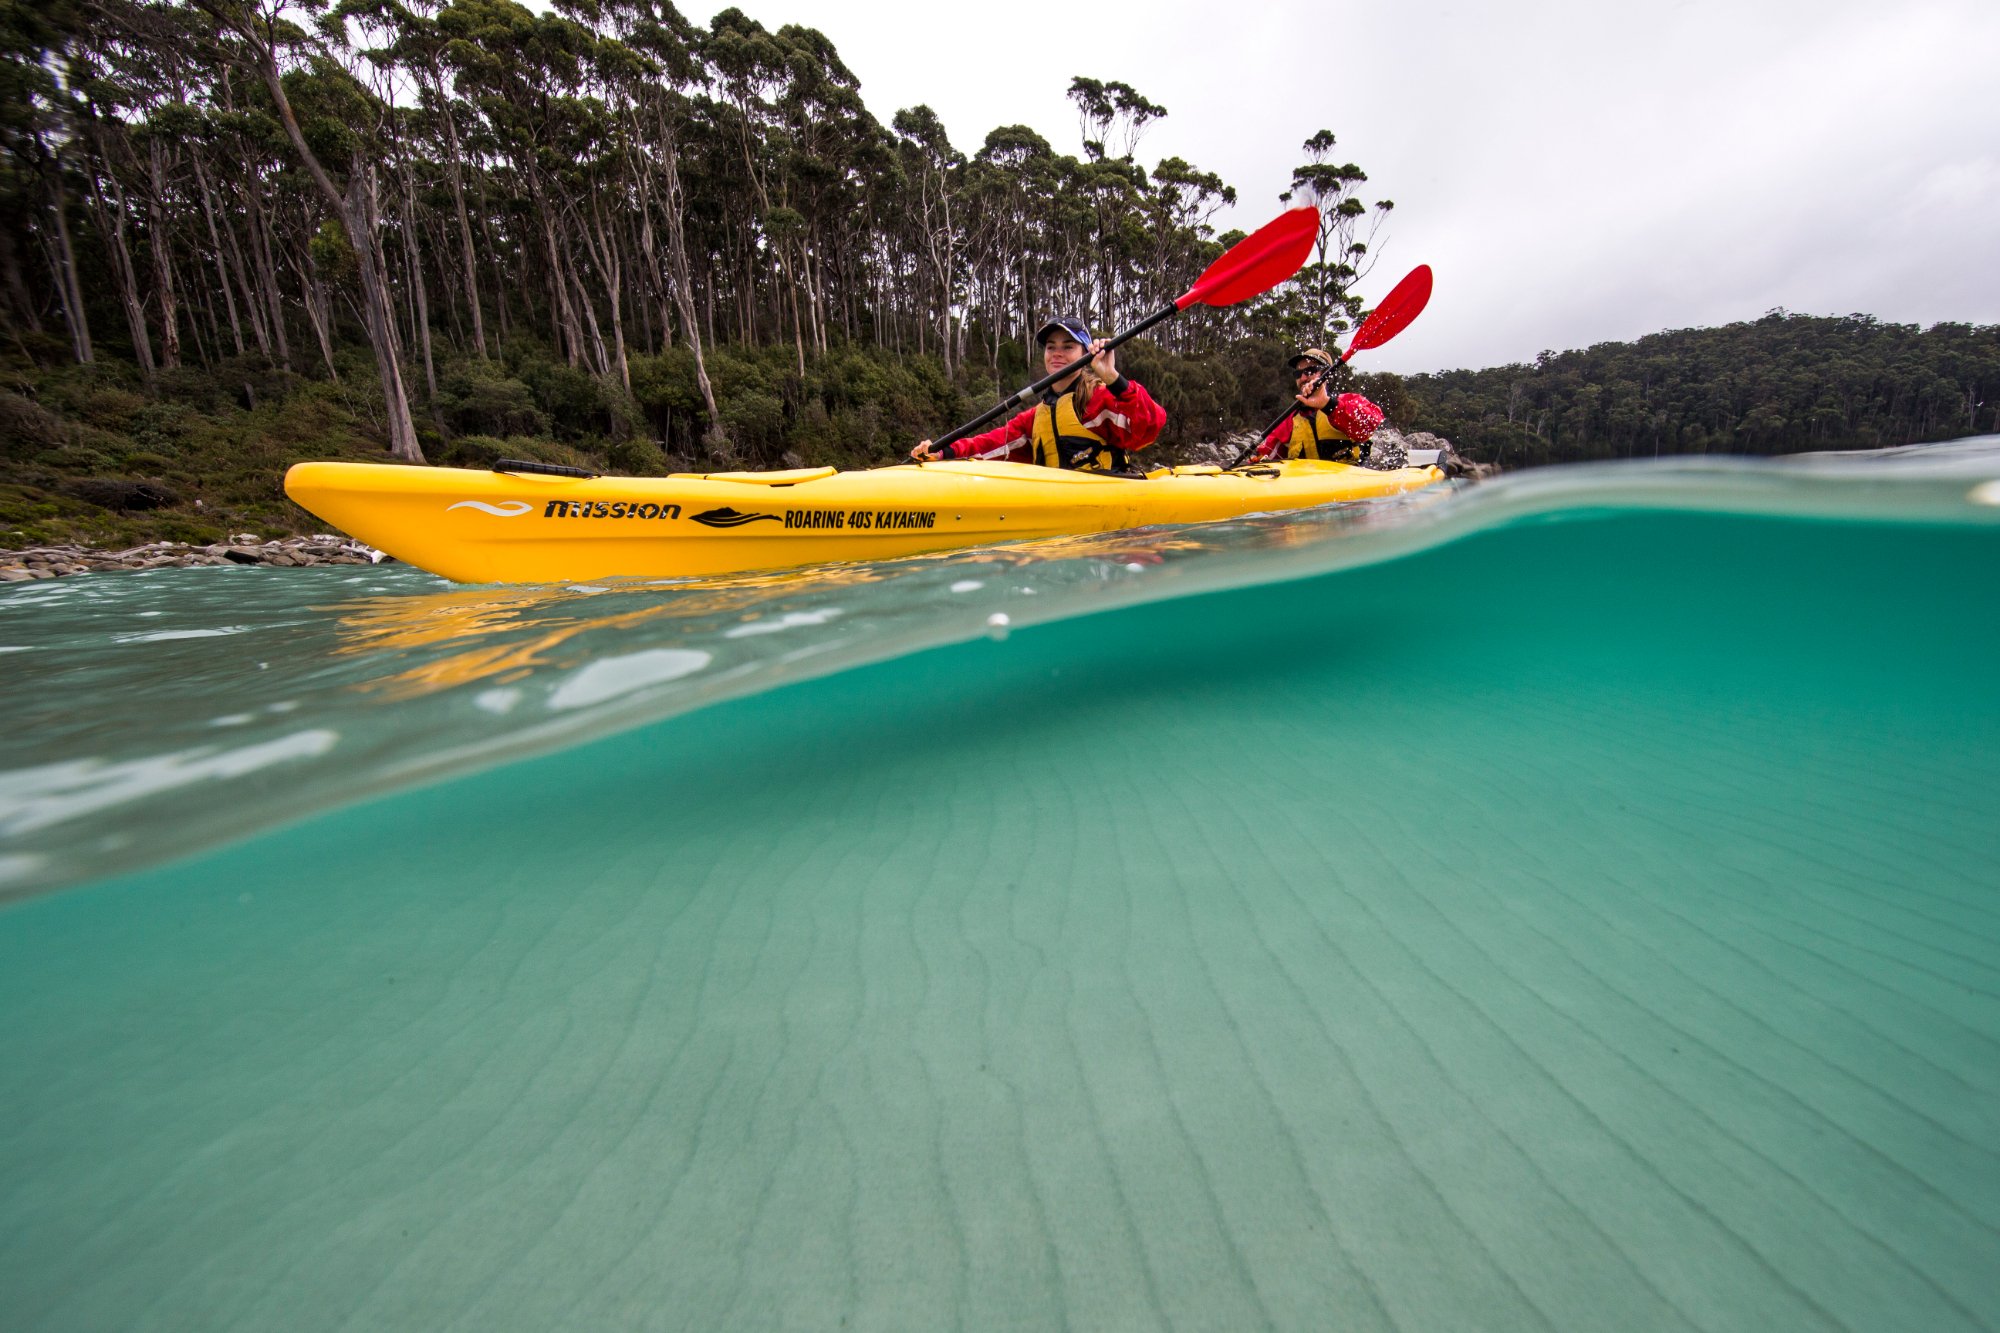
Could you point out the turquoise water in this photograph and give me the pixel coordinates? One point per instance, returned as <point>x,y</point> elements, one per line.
<point>1568,903</point>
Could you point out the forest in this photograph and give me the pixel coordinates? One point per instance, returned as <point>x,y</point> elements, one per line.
<point>1782,384</point>
<point>234,235</point>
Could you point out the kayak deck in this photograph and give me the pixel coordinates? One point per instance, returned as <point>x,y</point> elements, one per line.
<point>507,527</point>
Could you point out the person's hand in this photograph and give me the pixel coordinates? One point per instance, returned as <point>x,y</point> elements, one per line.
<point>926,452</point>
<point>1104,365</point>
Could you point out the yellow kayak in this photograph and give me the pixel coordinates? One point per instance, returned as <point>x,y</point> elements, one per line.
<point>517,525</point>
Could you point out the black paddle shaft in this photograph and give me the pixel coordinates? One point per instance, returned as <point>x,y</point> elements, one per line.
<point>1029,394</point>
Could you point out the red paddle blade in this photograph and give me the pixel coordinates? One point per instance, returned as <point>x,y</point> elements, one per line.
<point>1258,262</point>
<point>1405,301</point>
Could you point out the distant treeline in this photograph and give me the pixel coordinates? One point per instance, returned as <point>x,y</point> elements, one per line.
<point>1781,384</point>
<point>604,224</point>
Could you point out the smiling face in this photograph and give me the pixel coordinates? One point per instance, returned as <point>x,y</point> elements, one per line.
<point>1060,350</point>
<point>1303,376</point>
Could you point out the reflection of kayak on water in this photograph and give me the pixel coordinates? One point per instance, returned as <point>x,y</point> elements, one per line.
<point>519,524</point>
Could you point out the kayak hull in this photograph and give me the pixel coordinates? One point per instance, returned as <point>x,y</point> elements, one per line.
<point>503,527</point>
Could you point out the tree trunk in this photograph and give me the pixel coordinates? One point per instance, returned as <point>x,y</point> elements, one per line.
<point>111,221</point>
<point>21,303</point>
<point>267,268</point>
<point>602,358</point>
<point>683,280</point>
<point>609,267</point>
<point>457,171</point>
<point>64,261</point>
<point>422,315</point>
<point>163,259</point>
<point>318,304</point>
<point>500,334</point>
<point>221,256</point>
<point>569,330</point>
<point>354,208</point>
<point>378,309</point>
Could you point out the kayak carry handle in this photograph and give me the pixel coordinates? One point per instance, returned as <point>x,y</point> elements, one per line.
<point>542,469</point>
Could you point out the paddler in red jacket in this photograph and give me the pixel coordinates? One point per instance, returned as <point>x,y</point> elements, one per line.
<point>1321,426</point>
<point>1088,421</point>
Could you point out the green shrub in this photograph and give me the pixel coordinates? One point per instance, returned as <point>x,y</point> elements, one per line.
<point>572,402</point>
<point>755,421</point>
<point>160,425</point>
<point>636,455</point>
<point>108,406</point>
<point>26,427</point>
<point>480,398</point>
<point>471,451</point>
<point>75,459</point>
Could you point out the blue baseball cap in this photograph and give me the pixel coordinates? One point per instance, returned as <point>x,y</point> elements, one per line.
<point>1070,324</point>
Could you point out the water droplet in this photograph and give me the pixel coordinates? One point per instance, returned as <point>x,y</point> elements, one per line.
<point>996,626</point>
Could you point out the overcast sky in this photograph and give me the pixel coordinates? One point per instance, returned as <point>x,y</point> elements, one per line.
<point>1574,170</point>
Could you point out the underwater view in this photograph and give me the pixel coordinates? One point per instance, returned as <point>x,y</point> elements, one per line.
<point>1569,901</point>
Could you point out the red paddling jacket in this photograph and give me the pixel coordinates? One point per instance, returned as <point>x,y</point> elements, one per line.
<point>1116,418</point>
<point>1339,435</point>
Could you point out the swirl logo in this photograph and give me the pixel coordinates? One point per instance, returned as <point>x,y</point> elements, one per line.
<point>505,509</point>
<point>732,518</point>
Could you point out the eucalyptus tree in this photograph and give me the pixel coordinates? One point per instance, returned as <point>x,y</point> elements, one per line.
<point>241,140</point>
<point>935,172</point>
<point>414,42</point>
<point>831,145</point>
<point>1176,211</point>
<point>1006,181</point>
<point>342,157</point>
<point>523,72</point>
<point>110,71</point>
<point>752,67</point>
<point>643,68</point>
<point>1113,117</point>
<point>38,117</point>
<point>1343,255</point>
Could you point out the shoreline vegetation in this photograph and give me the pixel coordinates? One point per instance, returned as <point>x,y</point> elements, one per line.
<point>237,236</point>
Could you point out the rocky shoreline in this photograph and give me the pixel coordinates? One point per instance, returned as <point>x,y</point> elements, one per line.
<point>54,562</point>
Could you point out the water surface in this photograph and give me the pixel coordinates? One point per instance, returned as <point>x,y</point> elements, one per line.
<point>1568,904</point>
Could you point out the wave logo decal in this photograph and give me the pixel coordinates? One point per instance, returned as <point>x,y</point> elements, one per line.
<point>505,509</point>
<point>731,518</point>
